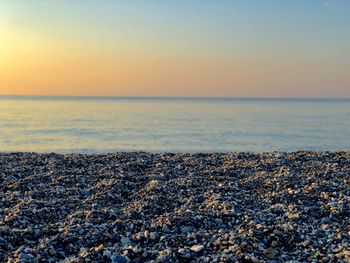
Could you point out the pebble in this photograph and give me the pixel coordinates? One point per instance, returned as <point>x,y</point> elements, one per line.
<point>270,253</point>
<point>154,235</point>
<point>186,229</point>
<point>119,259</point>
<point>165,228</point>
<point>52,251</point>
<point>197,248</point>
<point>254,259</point>
<point>175,207</point>
<point>146,234</point>
<point>26,257</point>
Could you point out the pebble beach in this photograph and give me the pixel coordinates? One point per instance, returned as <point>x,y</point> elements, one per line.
<point>175,207</point>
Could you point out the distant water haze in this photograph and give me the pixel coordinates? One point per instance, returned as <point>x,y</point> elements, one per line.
<point>99,125</point>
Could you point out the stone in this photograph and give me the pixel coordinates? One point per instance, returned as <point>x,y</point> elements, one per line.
<point>26,257</point>
<point>186,229</point>
<point>176,217</point>
<point>270,253</point>
<point>181,251</point>
<point>52,251</point>
<point>165,228</point>
<point>197,248</point>
<point>254,259</point>
<point>119,259</point>
<point>154,235</point>
<point>101,247</point>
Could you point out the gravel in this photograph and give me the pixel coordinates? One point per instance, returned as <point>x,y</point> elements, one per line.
<point>165,207</point>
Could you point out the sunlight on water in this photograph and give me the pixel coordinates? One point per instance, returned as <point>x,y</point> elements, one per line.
<point>122,124</point>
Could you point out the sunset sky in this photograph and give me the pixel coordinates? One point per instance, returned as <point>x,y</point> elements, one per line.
<point>241,48</point>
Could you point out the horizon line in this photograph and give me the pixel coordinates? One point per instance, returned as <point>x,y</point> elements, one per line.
<point>170,97</point>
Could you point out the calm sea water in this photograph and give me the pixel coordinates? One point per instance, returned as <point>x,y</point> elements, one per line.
<point>98,125</point>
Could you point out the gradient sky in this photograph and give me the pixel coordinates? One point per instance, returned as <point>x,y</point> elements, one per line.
<point>235,48</point>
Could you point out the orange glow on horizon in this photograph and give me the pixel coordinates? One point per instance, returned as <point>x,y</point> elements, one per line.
<point>82,56</point>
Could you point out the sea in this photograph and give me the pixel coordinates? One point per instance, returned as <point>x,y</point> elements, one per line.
<point>114,124</point>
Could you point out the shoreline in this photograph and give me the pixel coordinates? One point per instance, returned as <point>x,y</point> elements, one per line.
<point>175,207</point>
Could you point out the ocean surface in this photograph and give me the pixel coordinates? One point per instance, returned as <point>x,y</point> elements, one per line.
<point>99,125</point>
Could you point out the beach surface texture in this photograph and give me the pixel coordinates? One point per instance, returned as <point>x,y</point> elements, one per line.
<point>163,207</point>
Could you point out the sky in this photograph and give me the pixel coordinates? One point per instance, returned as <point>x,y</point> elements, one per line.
<point>226,48</point>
